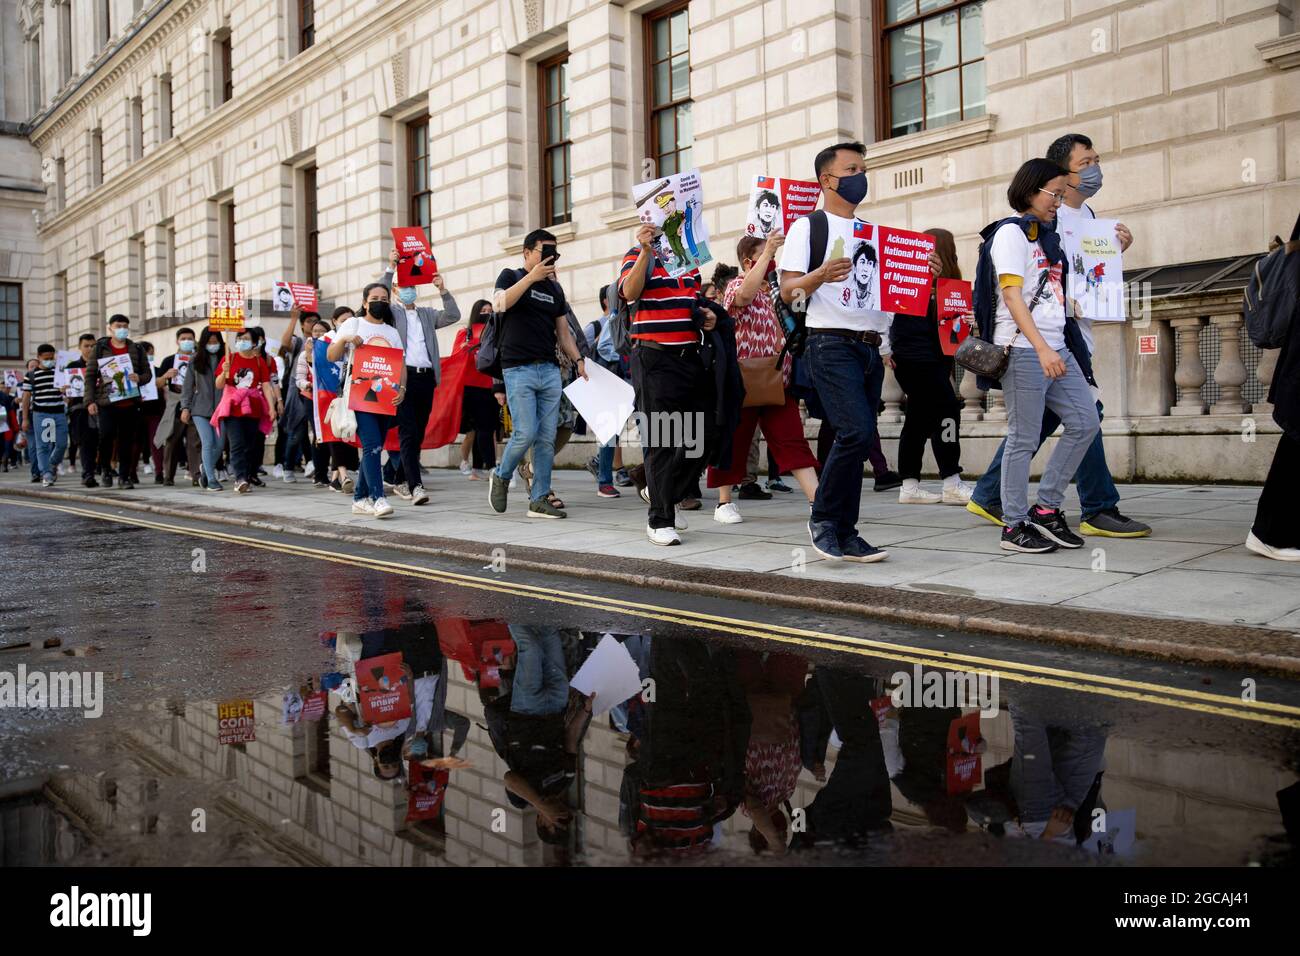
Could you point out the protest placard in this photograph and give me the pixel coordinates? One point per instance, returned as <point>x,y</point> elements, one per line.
<point>236,722</point>
<point>775,203</point>
<point>376,374</point>
<point>675,205</point>
<point>116,370</point>
<point>1096,263</point>
<point>610,673</point>
<point>226,306</point>
<point>383,689</point>
<point>285,296</point>
<point>905,270</point>
<point>426,788</point>
<point>415,263</point>
<point>604,401</point>
<point>953,297</point>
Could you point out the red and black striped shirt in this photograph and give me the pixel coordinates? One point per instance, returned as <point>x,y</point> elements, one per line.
<point>664,311</point>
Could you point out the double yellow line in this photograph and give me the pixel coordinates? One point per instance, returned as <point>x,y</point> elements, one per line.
<point>1281,715</point>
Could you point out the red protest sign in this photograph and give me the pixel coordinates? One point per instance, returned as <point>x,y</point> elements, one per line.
<point>376,374</point>
<point>313,705</point>
<point>904,270</point>
<point>383,690</point>
<point>415,262</point>
<point>236,722</point>
<point>953,297</point>
<point>226,306</point>
<point>426,789</point>
<point>963,767</point>
<point>304,295</point>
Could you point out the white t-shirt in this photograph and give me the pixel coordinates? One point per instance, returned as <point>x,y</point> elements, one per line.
<point>417,351</point>
<point>425,690</point>
<point>853,303</point>
<point>1066,218</point>
<point>1014,254</point>
<point>372,333</point>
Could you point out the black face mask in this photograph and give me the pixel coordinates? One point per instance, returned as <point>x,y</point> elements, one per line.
<point>380,311</point>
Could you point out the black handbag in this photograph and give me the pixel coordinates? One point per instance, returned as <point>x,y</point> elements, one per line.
<point>983,357</point>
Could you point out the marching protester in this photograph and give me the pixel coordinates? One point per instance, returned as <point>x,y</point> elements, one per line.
<point>257,452</point>
<point>303,381</point>
<point>374,326</point>
<point>1098,496</point>
<point>607,467</point>
<point>43,404</point>
<point>291,438</point>
<point>119,421</point>
<point>846,340</point>
<point>479,411</point>
<point>83,432</point>
<point>343,458</point>
<point>151,412</point>
<point>924,374</point>
<point>199,403</point>
<point>171,375</point>
<point>417,328</point>
<point>1041,371</point>
<point>534,322</point>
<point>759,338</point>
<point>247,405</point>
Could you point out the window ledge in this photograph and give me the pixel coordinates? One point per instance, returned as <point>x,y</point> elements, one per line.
<point>1283,53</point>
<point>931,141</point>
<point>514,245</point>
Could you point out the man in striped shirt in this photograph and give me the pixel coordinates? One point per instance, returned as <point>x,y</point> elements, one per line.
<point>673,389</point>
<point>43,402</point>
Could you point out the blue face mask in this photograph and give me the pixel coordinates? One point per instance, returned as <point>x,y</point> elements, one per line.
<point>47,363</point>
<point>853,189</point>
<point>1090,180</point>
<point>213,349</point>
<point>407,296</point>
<point>187,345</point>
<point>243,345</point>
<point>121,333</point>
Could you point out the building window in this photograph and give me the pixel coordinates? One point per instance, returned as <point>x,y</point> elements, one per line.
<point>310,228</point>
<point>224,67</point>
<point>64,305</point>
<point>65,42</point>
<point>136,128</point>
<point>164,108</point>
<point>99,295</point>
<point>306,24</point>
<point>11,320</point>
<point>553,88</point>
<point>60,184</point>
<point>932,64</point>
<point>96,157</point>
<point>164,289</point>
<point>34,74</point>
<point>105,22</point>
<point>226,244</point>
<point>417,161</point>
<point>668,94</point>
<point>139,278</point>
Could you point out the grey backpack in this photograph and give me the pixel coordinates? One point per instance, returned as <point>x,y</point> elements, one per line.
<point>620,323</point>
<point>1272,296</point>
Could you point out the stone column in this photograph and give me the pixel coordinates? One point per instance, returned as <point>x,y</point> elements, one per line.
<point>1189,374</point>
<point>972,399</point>
<point>1264,373</point>
<point>892,395</point>
<point>1230,373</point>
<point>995,406</point>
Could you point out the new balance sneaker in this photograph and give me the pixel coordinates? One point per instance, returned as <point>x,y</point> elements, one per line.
<point>662,536</point>
<point>917,496</point>
<point>541,508</point>
<point>464,467</point>
<point>958,494</point>
<point>727,514</point>
<point>622,478</point>
<point>989,512</point>
<point>1109,523</point>
<point>381,508</point>
<point>593,466</point>
<point>419,496</point>
<point>363,506</point>
<point>607,491</point>
<point>1267,550</point>
<point>213,486</point>
<point>750,491</point>
<point>888,481</point>
<point>1025,538</point>
<point>498,491</point>
<point>857,549</point>
<point>824,540</point>
<point>776,484</point>
<point>1051,522</point>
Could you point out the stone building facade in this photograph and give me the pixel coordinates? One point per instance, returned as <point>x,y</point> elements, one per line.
<point>184,141</point>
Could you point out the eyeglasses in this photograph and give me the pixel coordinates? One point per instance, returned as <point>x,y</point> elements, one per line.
<point>1058,197</point>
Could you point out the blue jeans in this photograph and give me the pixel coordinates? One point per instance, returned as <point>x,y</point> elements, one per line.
<point>1097,491</point>
<point>31,451</point>
<point>848,376</point>
<point>371,430</point>
<point>51,432</point>
<point>605,462</point>
<point>533,393</point>
<point>541,684</point>
<point>211,445</point>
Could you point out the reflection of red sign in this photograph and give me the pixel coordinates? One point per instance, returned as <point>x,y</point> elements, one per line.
<point>904,270</point>
<point>1148,345</point>
<point>426,791</point>
<point>236,722</point>
<point>382,689</point>
<point>881,706</point>
<point>313,705</point>
<point>953,297</point>
<point>415,263</point>
<point>963,768</point>
<point>479,645</point>
<point>376,374</point>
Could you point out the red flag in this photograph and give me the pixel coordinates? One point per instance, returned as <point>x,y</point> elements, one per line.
<point>443,427</point>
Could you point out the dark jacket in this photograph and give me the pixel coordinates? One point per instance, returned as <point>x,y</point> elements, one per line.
<point>1284,392</point>
<point>97,385</point>
<point>728,387</point>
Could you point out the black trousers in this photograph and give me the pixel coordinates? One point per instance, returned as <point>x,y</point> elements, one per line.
<point>87,439</point>
<point>412,419</point>
<point>320,457</point>
<point>246,441</point>
<point>933,414</point>
<point>343,455</point>
<point>1277,519</point>
<point>675,393</point>
<point>119,425</point>
<point>481,413</point>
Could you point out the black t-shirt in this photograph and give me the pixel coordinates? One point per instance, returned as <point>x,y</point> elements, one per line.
<point>528,327</point>
<point>915,338</point>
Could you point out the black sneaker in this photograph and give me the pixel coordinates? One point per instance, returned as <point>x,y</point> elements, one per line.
<point>751,491</point>
<point>90,482</point>
<point>1052,525</point>
<point>622,478</point>
<point>824,540</point>
<point>1026,539</point>
<point>889,481</point>
<point>125,483</point>
<point>336,485</point>
<point>159,479</point>
<point>1111,524</point>
<point>498,492</point>
<point>857,549</point>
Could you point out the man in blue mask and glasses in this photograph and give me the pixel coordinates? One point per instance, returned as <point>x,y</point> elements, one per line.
<point>418,327</point>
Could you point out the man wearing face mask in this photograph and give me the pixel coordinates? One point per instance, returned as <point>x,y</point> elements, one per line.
<point>171,374</point>
<point>846,341</point>
<point>119,422</point>
<point>43,404</point>
<point>417,325</point>
<point>1098,496</point>
<point>84,430</point>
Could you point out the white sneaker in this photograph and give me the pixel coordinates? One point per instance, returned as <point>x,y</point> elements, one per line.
<point>958,494</point>
<point>148,469</point>
<point>418,496</point>
<point>381,508</point>
<point>464,467</point>
<point>1267,550</point>
<point>309,469</point>
<point>400,491</point>
<point>279,471</point>
<point>918,496</point>
<point>289,478</point>
<point>727,514</point>
<point>363,507</point>
<point>662,536</point>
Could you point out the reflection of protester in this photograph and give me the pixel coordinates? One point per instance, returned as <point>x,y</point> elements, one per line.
<point>772,683</point>
<point>1055,773</point>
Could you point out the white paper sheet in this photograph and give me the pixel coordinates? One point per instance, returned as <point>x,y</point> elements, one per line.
<point>603,399</point>
<point>609,673</point>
